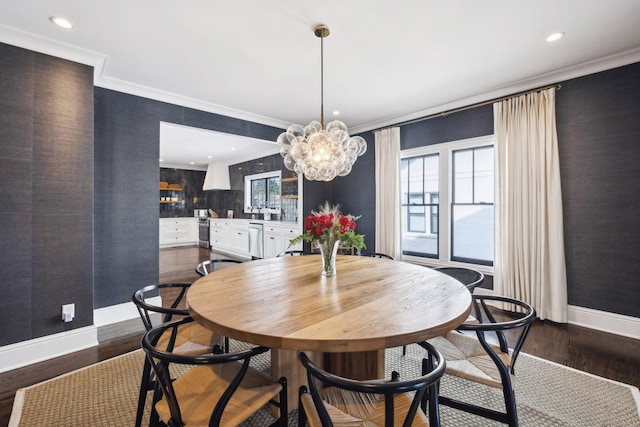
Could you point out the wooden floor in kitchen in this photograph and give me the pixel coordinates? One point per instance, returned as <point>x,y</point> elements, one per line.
<point>607,355</point>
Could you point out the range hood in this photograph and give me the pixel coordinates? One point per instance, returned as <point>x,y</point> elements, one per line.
<point>217,177</point>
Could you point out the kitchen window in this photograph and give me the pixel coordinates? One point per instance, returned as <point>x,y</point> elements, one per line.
<point>447,193</point>
<point>262,191</point>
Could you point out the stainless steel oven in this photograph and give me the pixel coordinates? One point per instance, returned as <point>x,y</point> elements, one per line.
<point>203,232</point>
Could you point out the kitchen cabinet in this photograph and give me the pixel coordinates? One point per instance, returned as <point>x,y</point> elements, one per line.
<point>277,238</point>
<point>229,236</point>
<point>273,241</point>
<point>178,231</point>
<point>216,234</point>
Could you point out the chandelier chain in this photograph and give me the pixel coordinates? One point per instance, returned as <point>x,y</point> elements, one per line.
<point>322,81</point>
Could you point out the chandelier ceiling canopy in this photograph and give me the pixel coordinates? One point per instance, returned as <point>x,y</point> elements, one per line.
<point>320,153</point>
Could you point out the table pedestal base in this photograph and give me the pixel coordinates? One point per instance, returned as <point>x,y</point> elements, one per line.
<point>360,365</point>
<point>357,365</point>
<point>285,363</point>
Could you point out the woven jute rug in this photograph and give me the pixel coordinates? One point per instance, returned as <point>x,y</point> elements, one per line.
<point>547,394</point>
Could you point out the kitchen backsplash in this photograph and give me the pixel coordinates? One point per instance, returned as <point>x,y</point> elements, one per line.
<point>219,200</point>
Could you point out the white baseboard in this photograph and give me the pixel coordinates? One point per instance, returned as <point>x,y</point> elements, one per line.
<point>25,353</point>
<point>604,321</point>
<point>119,312</point>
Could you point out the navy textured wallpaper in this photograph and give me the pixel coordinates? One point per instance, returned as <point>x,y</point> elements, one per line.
<point>127,132</point>
<point>599,148</point>
<point>46,218</point>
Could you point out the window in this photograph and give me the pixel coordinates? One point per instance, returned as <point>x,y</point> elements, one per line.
<point>262,190</point>
<point>419,179</point>
<point>472,205</point>
<point>447,201</point>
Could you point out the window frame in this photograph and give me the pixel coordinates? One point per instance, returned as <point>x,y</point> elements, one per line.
<point>248,179</point>
<point>445,155</point>
<point>427,206</point>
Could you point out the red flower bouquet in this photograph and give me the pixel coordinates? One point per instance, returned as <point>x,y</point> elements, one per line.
<point>327,229</point>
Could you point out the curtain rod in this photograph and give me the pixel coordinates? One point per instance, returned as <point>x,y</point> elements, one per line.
<point>469,107</point>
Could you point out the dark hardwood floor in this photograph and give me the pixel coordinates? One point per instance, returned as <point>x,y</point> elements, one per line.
<point>607,355</point>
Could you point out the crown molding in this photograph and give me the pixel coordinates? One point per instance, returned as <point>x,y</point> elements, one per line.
<point>557,76</point>
<point>184,101</point>
<point>98,61</point>
<point>52,47</point>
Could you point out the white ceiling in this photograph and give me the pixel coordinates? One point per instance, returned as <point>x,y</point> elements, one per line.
<point>192,148</point>
<point>385,61</point>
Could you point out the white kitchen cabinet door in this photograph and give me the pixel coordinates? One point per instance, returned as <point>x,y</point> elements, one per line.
<point>239,241</point>
<point>272,244</point>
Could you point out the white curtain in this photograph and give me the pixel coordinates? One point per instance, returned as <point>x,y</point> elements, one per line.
<point>388,210</point>
<point>529,259</point>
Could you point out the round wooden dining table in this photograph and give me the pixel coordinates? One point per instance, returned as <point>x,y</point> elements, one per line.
<point>346,320</point>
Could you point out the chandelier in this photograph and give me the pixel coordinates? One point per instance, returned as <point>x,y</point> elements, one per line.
<point>320,153</point>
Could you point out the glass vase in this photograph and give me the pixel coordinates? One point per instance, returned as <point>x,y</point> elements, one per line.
<point>328,255</point>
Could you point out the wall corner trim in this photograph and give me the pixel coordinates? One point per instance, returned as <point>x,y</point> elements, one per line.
<point>36,350</point>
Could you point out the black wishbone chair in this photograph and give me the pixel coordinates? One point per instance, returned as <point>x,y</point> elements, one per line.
<point>486,357</point>
<point>388,403</point>
<point>194,339</point>
<point>467,276</point>
<point>294,252</point>
<point>218,390</point>
<point>377,255</point>
<point>209,266</point>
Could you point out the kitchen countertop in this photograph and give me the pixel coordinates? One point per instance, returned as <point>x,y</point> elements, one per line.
<point>261,221</point>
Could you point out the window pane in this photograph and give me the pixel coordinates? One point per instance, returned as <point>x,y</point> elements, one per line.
<point>416,179</point>
<point>404,181</point>
<point>483,175</point>
<point>274,192</point>
<point>418,242</point>
<point>431,171</point>
<point>473,232</point>
<point>463,176</point>
<point>417,219</point>
<point>419,181</point>
<point>435,219</point>
<point>259,192</point>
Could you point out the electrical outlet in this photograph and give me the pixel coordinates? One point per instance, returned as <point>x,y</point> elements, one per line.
<point>68,312</point>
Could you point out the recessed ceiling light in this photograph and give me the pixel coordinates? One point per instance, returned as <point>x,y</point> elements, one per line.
<point>191,163</point>
<point>61,22</point>
<point>336,113</point>
<point>555,36</point>
<point>162,160</point>
<point>209,156</point>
